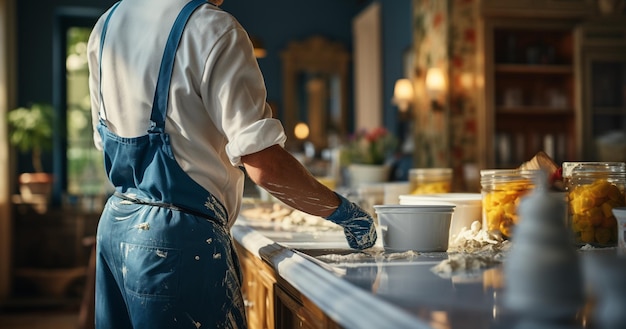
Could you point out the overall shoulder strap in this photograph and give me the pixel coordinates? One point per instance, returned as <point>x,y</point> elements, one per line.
<point>102,37</point>
<point>161,94</point>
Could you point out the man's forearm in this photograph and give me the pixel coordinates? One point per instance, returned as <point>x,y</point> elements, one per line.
<point>283,176</point>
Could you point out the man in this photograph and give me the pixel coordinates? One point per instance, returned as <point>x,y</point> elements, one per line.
<point>178,107</point>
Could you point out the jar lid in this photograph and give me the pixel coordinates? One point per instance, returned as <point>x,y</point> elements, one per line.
<point>590,166</point>
<point>430,171</point>
<point>411,209</point>
<point>504,172</point>
<point>454,198</point>
<point>488,176</point>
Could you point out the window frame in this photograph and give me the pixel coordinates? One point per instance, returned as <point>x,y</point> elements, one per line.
<point>64,19</point>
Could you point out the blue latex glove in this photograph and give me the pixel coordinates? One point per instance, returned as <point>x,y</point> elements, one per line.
<point>358,225</point>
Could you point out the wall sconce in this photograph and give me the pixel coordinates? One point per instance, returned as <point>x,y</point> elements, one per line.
<point>436,87</point>
<point>301,131</point>
<point>259,48</point>
<point>403,94</point>
<point>403,97</point>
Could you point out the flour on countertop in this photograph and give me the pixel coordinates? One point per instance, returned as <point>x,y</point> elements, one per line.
<point>377,254</point>
<point>587,247</point>
<point>464,263</point>
<point>287,218</point>
<point>298,218</point>
<point>471,250</point>
<point>475,240</point>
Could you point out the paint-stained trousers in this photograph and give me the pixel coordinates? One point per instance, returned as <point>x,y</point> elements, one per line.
<point>161,268</point>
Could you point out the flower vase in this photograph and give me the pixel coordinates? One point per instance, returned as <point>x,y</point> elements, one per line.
<point>360,174</point>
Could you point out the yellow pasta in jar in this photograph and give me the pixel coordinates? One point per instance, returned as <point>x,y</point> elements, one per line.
<point>430,180</point>
<point>432,188</point>
<point>500,206</point>
<point>590,211</point>
<point>603,235</point>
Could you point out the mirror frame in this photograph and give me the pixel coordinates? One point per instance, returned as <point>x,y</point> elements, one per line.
<point>316,55</point>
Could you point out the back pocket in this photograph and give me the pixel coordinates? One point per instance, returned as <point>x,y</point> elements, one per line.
<point>149,270</point>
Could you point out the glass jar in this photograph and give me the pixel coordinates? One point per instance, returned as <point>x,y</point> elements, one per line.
<point>501,191</point>
<point>593,190</point>
<point>430,180</point>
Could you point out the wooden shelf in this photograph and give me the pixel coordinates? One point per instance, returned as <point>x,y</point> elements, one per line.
<point>534,69</point>
<point>535,111</point>
<point>608,111</point>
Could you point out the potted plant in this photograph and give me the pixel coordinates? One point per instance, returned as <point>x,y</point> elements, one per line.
<point>30,130</point>
<point>366,155</point>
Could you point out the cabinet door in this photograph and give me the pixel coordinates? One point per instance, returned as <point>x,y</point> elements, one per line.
<point>250,290</point>
<point>605,104</point>
<point>258,290</point>
<point>292,312</point>
<point>265,299</point>
<point>603,84</point>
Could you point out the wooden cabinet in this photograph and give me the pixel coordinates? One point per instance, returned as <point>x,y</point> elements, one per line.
<point>603,77</point>
<point>530,87</point>
<point>271,302</point>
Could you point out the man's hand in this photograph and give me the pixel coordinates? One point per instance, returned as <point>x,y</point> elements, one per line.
<point>358,225</point>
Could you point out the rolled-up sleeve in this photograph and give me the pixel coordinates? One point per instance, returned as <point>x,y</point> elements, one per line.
<point>256,137</point>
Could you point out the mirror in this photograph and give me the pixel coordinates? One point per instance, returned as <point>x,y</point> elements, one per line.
<point>315,89</point>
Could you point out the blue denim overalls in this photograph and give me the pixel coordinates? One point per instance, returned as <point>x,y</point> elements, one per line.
<point>165,258</point>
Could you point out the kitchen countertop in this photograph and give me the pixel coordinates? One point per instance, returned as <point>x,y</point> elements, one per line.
<point>381,290</point>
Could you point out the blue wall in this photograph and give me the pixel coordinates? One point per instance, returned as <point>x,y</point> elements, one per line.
<point>397,39</point>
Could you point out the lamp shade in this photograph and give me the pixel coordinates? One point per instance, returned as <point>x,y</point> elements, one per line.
<point>403,93</point>
<point>403,89</point>
<point>435,80</point>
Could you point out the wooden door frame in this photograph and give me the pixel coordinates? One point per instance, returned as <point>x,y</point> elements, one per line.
<point>7,101</point>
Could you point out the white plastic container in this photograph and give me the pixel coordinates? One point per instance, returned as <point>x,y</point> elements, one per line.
<point>468,207</point>
<point>371,194</point>
<point>422,228</point>
<point>393,191</point>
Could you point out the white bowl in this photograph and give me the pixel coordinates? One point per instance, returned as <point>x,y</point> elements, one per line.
<point>415,227</point>
<point>468,207</point>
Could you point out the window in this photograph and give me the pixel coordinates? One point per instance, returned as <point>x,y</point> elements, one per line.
<point>85,169</point>
<point>78,167</point>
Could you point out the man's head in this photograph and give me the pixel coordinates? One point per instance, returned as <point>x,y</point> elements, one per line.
<point>217,2</point>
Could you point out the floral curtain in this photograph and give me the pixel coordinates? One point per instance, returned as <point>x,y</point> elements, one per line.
<point>445,36</point>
